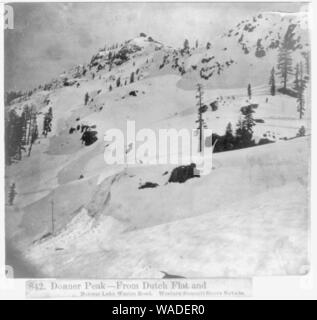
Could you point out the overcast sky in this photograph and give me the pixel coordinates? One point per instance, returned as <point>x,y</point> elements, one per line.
<point>49,38</point>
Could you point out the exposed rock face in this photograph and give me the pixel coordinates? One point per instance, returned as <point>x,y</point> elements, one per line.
<point>183,173</point>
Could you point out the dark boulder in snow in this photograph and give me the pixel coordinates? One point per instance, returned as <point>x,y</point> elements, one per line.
<point>89,137</point>
<point>147,185</point>
<point>214,105</point>
<point>183,173</point>
<point>133,93</point>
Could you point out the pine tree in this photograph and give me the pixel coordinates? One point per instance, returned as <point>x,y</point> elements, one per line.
<point>34,132</point>
<point>272,82</point>
<point>185,47</point>
<point>118,82</point>
<point>132,77</point>
<point>186,44</point>
<point>302,84</point>
<point>301,132</point>
<point>12,194</point>
<point>296,81</point>
<point>110,88</point>
<point>284,63</point>
<point>306,56</point>
<point>229,138</point>
<point>13,136</point>
<point>196,44</point>
<point>26,117</point>
<point>249,91</point>
<point>201,109</point>
<point>244,132</point>
<point>229,131</point>
<point>86,98</point>
<point>47,123</point>
<point>29,124</point>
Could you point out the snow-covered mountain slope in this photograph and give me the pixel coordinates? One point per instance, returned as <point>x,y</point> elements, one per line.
<point>247,51</point>
<point>105,226</point>
<point>257,226</point>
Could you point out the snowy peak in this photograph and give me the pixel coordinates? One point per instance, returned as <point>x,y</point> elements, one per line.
<point>144,42</point>
<point>118,54</point>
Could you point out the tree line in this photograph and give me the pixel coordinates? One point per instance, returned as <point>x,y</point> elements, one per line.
<point>21,131</point>
<point>243,135</point>
<point>286,70</point>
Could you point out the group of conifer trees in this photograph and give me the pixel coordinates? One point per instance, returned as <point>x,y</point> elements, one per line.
<point>286,70</point>
<point>243,136</point>
<point>21,131</point>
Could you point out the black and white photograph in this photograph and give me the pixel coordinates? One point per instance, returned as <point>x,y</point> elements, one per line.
<point>157,140</point>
